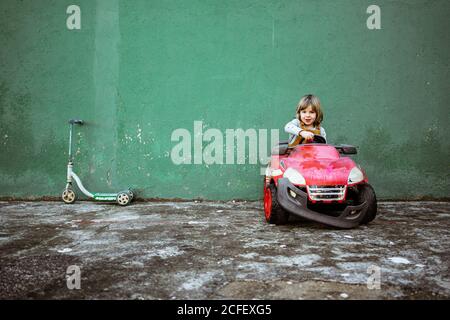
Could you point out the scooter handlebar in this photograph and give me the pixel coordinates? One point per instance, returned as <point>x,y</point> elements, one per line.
<point>76,121</point>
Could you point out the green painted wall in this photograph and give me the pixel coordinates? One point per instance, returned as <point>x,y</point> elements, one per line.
<point>137,70</point>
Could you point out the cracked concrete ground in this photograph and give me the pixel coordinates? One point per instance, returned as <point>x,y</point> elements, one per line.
<point>211,250</point>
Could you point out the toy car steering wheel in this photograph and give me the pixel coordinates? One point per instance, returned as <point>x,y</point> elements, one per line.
<point>317,139</point>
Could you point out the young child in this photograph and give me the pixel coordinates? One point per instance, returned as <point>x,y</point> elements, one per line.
<point>307,123</point>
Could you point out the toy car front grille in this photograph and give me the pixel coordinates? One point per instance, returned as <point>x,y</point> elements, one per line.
<point>326,193</point>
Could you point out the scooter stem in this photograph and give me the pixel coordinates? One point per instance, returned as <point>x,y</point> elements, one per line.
<point>70,143</point>
<point>71,123</point>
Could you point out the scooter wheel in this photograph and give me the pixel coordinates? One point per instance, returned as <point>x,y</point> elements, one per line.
<point>123,198</point>
<point>68,196</point>
<point>131,194</point>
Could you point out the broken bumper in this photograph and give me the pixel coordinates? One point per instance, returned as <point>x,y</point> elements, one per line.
<point>349,218</point>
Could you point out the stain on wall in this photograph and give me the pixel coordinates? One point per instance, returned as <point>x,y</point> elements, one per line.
<point>138,70</point>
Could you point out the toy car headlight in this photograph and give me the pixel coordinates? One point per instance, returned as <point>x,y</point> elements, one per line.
<point>294,176</point>
<point>355,176</point>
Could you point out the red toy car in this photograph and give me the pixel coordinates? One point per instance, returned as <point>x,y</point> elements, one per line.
<point>316,182</point>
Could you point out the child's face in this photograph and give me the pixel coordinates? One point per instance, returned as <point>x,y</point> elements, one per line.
<point>308,116</point>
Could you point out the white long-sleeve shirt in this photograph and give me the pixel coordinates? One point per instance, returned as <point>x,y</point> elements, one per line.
<point>293,128</point>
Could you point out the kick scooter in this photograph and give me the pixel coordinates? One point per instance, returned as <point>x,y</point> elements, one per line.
<point>68,196</point>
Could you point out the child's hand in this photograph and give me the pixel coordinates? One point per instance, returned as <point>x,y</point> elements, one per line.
<point>308,136</point>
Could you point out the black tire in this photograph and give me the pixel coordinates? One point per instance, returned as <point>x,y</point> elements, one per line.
<point>277,215</point>
<point>366,193</point>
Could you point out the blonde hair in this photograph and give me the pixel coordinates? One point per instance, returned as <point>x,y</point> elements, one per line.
<point>314,102</point>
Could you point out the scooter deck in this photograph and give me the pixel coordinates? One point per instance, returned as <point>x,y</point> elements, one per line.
<point>105,196</point>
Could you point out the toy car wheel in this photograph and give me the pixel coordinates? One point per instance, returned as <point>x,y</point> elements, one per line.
<point>366,193</point>
<point>68,196</point>
<point>123,198</point>
<point>273,212</point>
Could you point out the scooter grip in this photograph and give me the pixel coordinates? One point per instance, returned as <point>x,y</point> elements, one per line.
<point>76,121</point>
